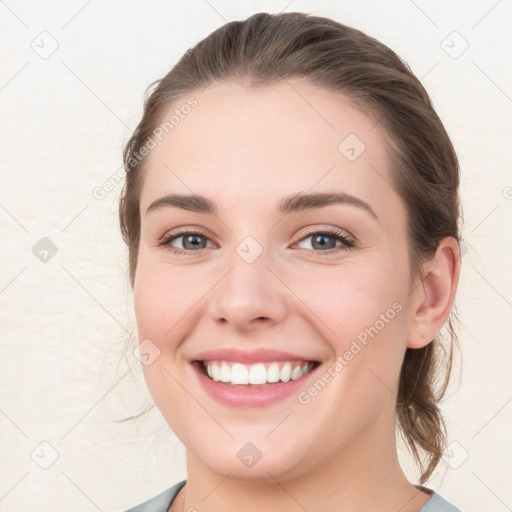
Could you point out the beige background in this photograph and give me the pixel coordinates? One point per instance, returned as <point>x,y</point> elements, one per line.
<point>64,118</point>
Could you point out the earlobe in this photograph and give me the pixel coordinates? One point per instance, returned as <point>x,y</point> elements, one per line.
<point>433,298</point>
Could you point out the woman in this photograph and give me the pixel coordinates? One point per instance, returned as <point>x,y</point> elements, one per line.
<point>292,216</point>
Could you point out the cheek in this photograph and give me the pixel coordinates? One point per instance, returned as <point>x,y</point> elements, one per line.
<point>362,315</point>
<point>360,311</point>
<point>163,298</point>
<point>167,302</point>
<point>163,303</point>
<point>348,299</point>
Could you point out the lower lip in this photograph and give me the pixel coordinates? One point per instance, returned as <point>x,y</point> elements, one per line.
<point>249,396</point>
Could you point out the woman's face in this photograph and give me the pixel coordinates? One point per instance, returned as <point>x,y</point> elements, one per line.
<point>300,262</point>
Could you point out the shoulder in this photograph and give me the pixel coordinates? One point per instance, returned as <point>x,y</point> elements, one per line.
<point>161,502</point>
<point>438,504</point>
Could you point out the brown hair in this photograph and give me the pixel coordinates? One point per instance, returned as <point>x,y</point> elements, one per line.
<point>267,48</point>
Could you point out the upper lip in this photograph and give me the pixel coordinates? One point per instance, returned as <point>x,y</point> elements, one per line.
<point>260,355</point>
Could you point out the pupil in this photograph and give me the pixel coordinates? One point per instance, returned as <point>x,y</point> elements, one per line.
<point>194,243</point>
<point>323,244</point>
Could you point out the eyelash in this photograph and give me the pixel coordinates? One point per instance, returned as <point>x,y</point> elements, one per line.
<point>334,233</point>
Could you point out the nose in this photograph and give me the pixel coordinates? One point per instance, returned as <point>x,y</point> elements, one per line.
<point>249,297</point>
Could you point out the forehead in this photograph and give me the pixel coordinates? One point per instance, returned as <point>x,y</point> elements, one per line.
<point>267,141</point>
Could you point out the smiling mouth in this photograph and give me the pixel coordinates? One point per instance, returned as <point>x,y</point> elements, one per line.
<point>259,374</point>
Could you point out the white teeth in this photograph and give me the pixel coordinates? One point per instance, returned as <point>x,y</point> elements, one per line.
<point>296,373</point>
<point>239,374</point>
<point>216,373</point>
<point>286,372</point>
<point>225,373</point>
<point>256,374</point>
<point>273,373</point>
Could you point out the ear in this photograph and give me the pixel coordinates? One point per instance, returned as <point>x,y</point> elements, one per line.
<point>433,297</point>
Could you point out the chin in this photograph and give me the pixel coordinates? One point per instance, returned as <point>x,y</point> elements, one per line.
<point>265,462</point>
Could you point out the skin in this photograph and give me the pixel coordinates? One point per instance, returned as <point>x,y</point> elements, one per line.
<point>245,149</point>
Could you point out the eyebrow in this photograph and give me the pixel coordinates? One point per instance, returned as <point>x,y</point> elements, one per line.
<point>293,203</point>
